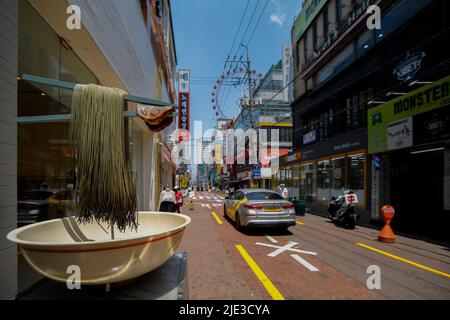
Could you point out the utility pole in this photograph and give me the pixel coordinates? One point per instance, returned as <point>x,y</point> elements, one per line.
<point>250,106</point>
<point>249,79</point>
<point>250,99</point>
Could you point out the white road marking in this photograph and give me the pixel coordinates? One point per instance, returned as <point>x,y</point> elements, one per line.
<point>304,263</point>
<point>200,198</point>
<point>288,247</point>
<point>271,239</point>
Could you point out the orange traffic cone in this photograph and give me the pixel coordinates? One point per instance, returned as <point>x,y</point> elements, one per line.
<point>386,234</point>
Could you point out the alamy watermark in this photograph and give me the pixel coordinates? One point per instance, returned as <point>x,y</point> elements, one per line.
<point>73,22</point>
<point>226,147</point>
<point>374,20</point>
<point>374,280</point>
<point>74,280</point>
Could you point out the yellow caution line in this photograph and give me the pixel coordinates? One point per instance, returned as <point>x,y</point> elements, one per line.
<point>299,222</point>
<point>404,260</point>
<point>219,221</point>
<point>270,287</point>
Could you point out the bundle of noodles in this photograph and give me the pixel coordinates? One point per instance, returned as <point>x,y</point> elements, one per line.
<point>106,191</point>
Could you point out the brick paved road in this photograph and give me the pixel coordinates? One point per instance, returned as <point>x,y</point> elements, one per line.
<point>410,269</point>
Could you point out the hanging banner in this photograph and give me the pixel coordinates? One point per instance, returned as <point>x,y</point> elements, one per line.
<point>184,78</point>
<point>183,111</point>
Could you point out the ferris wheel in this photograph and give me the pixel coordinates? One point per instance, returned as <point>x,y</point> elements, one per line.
<point>232,77</point>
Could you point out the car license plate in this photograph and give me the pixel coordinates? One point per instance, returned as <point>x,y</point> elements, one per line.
<point>272,209</point>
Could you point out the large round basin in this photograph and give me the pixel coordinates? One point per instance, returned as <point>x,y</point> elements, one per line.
<point>51,247</point>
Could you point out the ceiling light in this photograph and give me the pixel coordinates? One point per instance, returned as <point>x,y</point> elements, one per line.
<point>419,82</point>
<point>43,94</point>
<point>395,94</point>
<point>375,102</point>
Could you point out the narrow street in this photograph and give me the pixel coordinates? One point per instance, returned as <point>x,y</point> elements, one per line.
<point>313,260</point>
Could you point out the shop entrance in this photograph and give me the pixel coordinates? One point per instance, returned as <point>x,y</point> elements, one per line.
<point>417,193</point>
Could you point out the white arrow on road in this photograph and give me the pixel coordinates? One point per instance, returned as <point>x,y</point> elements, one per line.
<point>280,249</point>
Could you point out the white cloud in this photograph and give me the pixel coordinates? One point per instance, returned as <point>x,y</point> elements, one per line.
<point>278,18</point>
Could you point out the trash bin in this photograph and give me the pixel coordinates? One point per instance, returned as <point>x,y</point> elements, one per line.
<point>299,205</point>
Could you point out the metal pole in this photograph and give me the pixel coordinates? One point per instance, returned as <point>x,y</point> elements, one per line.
<point>250,105</point>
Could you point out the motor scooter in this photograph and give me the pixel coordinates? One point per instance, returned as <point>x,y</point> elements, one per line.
<point>341,210</point>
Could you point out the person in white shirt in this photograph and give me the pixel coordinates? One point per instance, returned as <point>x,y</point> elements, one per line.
<point>284,191</point>
<point>167,200</point>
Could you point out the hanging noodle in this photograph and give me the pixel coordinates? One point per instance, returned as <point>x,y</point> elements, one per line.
<point>106,191</point>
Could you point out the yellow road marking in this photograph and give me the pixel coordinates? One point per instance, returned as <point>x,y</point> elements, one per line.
<point>404,260</point>
<point>299,222</point>
<point>270,287</point>
<point>219,221</point>
<point>209,206</point>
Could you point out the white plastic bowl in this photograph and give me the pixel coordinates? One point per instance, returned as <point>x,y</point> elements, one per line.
<point>51,247</point>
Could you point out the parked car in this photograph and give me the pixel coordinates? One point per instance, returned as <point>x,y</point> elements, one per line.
<point>38,205</point>
<point>259,208</point>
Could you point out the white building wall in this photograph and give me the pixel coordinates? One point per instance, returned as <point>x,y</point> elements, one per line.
<point>8,145</point>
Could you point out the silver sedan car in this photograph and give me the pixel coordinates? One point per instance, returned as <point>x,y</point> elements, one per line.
<point>259,207</point>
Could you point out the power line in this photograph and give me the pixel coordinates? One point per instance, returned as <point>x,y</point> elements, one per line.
<point>257,23</point>
<point>238,31</point>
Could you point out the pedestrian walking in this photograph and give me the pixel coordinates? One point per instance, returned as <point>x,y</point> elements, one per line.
<point>178,198</point>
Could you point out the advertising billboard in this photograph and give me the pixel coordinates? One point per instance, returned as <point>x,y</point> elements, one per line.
<point>390,125</point>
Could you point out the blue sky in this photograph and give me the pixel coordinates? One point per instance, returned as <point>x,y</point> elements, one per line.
<point>204,33</point>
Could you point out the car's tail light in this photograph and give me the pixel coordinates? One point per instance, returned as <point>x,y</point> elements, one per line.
<point>288,206</point>
<point>252,206</point>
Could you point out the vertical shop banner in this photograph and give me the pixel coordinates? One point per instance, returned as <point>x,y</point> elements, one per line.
<point>183,111</point>
<point>184,80</point>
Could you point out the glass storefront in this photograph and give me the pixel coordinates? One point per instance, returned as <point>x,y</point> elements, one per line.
<point>318,180</point>
<point>45,172</point>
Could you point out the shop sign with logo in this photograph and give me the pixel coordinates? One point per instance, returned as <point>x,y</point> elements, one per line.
<point>243,175</point>
<point>383,120</point>
<point>309,137</point>
<point>184,81</point>
<point>184,78</point>
<point>256,171</point>
<point>409,66</point>
<point>311,9</point>
<point>400,134</point>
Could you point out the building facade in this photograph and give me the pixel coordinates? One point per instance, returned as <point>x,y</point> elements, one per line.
<point>343,70</point>
<point>270,111</point>
<point>120,44</point>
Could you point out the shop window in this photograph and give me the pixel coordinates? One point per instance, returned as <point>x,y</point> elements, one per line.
<point>295,180</point>
<point>355,169</point>
<point>44,159</point>
<point>339,173</point>
<point>308,181</point>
